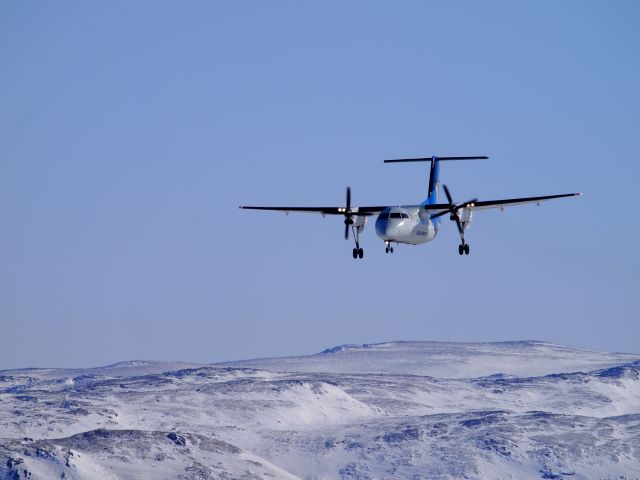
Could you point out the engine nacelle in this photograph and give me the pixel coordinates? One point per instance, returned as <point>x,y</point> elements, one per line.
<point>359,221</point>
<point>466,215</point>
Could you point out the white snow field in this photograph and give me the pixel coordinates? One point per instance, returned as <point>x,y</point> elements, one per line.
<point>509,410</point>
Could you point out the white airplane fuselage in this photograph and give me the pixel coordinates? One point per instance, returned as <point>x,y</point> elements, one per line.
<point>406,224</point>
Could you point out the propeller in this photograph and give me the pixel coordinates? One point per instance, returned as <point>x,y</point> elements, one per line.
<point>347,215</point>
<point>453,210</point>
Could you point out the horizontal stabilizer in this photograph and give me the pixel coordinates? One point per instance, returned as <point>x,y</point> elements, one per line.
<point>429,159</point>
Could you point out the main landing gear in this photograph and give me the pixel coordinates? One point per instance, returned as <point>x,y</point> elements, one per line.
<point>356,227</point>
<point>357,252</point>
<point>463,248</point>
<point>389,248</point>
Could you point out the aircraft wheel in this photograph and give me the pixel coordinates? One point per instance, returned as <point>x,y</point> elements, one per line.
<point>460,249</point>
<point>386,250</point>
<point>360,252</point>
<point>391,248</point>
<point>355,253</point>
<point>466,249</point>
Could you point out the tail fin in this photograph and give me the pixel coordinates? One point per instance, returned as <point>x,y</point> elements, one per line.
<point>434,172</point>
<point>434,179</point>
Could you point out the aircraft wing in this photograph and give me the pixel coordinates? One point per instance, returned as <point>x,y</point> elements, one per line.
<point>365,211</point>
<point>508,202</point>
<point>438,209</point>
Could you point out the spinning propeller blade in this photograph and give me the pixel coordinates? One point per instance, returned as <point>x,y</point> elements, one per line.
<point>347,215</point>
<point>446,192</point>
<point>453,209</point>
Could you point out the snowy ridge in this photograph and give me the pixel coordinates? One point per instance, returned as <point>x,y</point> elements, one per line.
<point>130,368</point>
<point>320,416</point>
<point>447,359</point>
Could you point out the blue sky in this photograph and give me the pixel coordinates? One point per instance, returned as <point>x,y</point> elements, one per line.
<point>131,131</point>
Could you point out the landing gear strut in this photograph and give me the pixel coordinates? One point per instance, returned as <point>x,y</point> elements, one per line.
<point>357,252</point>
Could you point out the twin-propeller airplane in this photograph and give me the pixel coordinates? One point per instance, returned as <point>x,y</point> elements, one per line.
<point>414,224</point>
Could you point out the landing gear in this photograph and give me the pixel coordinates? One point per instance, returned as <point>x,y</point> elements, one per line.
<point>389,248</point>
<point>463,249</point>
<point>357,252</point>
<point>461,223</point>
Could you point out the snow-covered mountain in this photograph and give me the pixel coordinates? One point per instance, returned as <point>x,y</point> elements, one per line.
<point>392,410</point>
<point>446,359</point>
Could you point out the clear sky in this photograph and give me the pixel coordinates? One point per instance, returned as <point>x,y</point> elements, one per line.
<point>131,131</point>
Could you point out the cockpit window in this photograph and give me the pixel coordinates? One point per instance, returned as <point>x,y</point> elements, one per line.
<point>386,216</point>
<point>398,215</point>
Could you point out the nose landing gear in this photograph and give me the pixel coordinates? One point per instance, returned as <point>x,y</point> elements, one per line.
<point>389,248</point>
<point>463,249</point>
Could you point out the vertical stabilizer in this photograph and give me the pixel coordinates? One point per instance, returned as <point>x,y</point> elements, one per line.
<point>434,179</point>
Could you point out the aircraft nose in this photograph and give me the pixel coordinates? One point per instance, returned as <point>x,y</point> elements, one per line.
<point>386,228</point>
<point>381,227</point>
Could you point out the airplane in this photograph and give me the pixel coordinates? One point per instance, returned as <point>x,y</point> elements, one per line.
<point>414,224</point>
